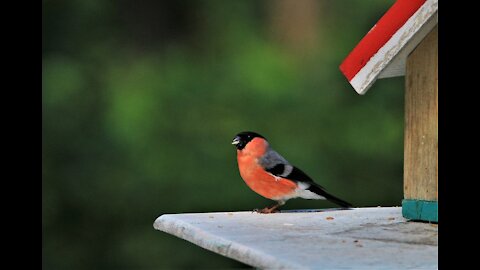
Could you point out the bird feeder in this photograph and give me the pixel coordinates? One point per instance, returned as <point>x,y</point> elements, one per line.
<point>404,43</point>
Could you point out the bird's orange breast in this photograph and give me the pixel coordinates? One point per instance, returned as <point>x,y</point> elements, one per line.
<point>260,181</point>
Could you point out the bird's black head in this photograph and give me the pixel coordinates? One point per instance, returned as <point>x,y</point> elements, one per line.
<point>242,138</point>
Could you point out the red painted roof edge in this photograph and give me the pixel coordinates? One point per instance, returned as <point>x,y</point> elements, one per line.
<point>385,28</point>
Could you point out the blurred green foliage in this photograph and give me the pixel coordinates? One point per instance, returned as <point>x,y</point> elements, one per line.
<point>141,101</point>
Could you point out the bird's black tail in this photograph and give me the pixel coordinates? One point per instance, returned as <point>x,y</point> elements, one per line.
<point>320,191</point>
<point>338,201</point>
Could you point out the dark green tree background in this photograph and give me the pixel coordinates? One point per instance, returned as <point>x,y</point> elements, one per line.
<point>141,100</point>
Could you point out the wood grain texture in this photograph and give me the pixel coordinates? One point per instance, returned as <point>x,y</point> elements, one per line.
<point>421,121</point>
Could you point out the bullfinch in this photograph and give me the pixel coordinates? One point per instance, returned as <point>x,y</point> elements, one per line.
<point>270,175</point>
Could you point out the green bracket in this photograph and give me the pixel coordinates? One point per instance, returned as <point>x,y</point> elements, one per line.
<point>420,210</point>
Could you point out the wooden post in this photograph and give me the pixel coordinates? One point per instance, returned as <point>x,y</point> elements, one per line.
<point>421,131</point>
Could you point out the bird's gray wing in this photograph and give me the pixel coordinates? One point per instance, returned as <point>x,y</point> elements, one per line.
<point>272,159</point>
<point>277,165</point>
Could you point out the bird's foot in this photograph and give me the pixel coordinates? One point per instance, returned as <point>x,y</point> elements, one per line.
<point>266,210</point>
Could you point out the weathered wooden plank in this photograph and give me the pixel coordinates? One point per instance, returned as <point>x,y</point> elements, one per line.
<point>359,238</point>
<point>421,121</point>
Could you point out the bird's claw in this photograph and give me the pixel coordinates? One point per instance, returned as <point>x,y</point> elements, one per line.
<point>265,210</point>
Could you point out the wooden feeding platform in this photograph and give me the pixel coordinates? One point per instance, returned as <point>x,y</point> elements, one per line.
<point>358,238</point>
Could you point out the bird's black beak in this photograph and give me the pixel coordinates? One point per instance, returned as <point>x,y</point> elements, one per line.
<point>236,140</point>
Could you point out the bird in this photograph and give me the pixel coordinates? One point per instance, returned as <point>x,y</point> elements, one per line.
<point>270,175</point>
